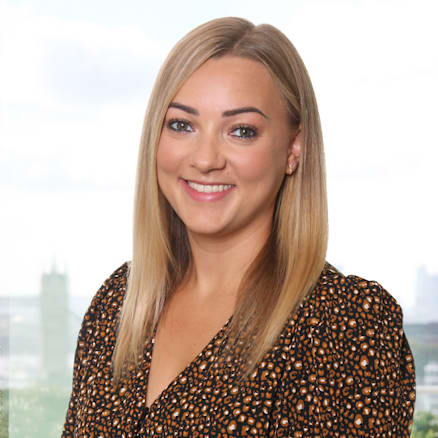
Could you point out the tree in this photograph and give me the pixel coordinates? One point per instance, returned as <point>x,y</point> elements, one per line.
<point>425,425</point>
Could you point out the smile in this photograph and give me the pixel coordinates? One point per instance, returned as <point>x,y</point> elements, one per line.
<point>209,188</point>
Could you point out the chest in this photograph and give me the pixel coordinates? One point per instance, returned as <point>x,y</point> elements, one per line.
<point>203,400</point>
<point>196,396</point>
<point>178,343</point>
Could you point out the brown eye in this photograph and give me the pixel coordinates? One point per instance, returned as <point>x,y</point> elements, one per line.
<point>179,125</point>
<point>245,132</point>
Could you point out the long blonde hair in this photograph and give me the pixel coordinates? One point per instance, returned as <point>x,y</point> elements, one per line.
<point>291,261</point>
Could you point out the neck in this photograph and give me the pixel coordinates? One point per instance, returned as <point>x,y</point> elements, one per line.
<point>218,264</point>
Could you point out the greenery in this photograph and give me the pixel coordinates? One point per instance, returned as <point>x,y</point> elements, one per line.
<point>37,412</point>
<point>423,354</point>
<point>425,425</point>
<point>4,413</point>
<point>423,340</point>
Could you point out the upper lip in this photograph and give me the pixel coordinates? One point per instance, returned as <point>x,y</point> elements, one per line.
<point>208,183</point>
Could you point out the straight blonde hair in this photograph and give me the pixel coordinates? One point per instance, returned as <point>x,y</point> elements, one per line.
<point>291,261</point>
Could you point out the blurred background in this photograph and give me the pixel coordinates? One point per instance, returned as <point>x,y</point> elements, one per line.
<point>75,79</point>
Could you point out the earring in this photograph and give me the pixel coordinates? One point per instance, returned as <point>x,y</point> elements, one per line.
<point>290,170</point>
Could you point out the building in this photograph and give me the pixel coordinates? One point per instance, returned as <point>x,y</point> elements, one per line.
<point>54,325</point>
<point>40,333</point>
<point>427,394</point>
<point>425,308</point>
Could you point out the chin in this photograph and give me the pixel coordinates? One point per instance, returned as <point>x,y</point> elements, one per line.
<point>205,230</point>
<point>205,223</point>
<point>207,226</point>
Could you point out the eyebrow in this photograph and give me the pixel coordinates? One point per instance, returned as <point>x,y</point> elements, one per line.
<point>244,109</point>
<point>229,113</point>
<point>187,109</point>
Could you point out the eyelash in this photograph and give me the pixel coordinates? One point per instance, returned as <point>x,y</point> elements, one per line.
<point>172,121</point>
<point>252,129</point>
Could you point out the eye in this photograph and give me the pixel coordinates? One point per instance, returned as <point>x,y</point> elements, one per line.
<point>179,125</point>
<point>244,132</point>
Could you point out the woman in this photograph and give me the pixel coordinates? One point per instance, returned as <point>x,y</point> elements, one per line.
<point>228,321</point>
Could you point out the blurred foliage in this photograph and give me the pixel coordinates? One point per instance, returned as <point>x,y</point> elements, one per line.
<point>423,354</point>
<point>423,340</point>
<point>37,412</point>
<point>4,413</point>
<point>425,425</point>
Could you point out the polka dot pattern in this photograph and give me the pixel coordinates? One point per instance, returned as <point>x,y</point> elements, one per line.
<point>341,367</point>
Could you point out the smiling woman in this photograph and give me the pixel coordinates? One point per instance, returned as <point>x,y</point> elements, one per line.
<point>228,321</point>
<point>223,153</point>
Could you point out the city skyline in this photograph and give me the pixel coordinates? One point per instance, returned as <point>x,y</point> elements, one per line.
<point>423,308</point>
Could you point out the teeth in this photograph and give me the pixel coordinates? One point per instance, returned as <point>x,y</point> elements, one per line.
<point>209,188</point>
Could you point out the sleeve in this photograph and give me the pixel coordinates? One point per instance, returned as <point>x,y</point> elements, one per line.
<point>362,366</point>
<point>86,334</point>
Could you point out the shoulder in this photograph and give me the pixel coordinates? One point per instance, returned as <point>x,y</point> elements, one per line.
<point>350,319</point>
<point>107,301</point>
<point>356,363</point>
<point>352,299</point>
<point>113,288</point>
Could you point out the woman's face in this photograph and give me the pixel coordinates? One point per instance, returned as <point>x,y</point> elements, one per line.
<point>225,147</point>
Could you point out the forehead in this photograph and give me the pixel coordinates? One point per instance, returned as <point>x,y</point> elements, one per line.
<point>231,81</point>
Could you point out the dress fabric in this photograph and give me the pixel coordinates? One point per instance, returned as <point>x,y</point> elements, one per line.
<point>341,367</point>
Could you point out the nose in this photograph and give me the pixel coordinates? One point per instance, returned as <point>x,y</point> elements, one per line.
<point>208,153</point>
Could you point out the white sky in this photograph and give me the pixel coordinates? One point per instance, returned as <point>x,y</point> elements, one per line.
<point>75,78</point>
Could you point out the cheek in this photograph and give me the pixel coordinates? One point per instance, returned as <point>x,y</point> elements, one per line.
<point>262,167</point>
<point>168,165</point>
<point>168,158</point>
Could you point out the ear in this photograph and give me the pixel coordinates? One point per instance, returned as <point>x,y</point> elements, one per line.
<point>294,152</point>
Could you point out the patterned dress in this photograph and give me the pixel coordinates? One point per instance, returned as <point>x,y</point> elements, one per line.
<point>342,367</point>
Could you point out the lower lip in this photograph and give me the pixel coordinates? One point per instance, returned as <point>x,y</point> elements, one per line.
<point>206,197</point>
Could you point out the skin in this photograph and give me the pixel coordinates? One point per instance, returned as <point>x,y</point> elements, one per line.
<point>205,141</point>
<point>208,147</point>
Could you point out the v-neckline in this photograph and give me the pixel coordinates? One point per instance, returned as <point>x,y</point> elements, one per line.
<point>148,357</point>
